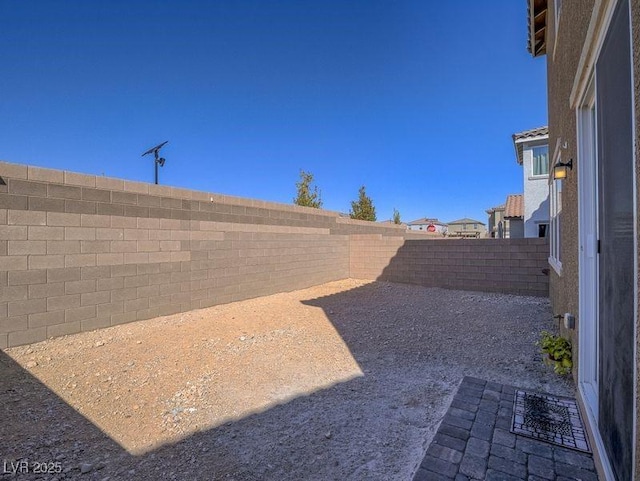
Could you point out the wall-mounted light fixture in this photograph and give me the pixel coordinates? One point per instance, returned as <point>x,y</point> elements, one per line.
<point>561,169</point>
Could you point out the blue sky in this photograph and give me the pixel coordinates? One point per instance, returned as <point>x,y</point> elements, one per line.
<point>414,99</point>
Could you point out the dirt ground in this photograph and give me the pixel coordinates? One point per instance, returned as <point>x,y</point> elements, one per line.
<point>343,381</point>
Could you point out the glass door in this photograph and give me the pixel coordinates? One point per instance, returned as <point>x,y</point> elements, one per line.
<point>616,259</point>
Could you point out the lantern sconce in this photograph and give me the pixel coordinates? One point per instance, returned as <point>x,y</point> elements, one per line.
<point>561,169</point>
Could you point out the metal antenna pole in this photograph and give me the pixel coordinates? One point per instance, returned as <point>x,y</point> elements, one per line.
<point>157,159</point>
<point>156,164</point>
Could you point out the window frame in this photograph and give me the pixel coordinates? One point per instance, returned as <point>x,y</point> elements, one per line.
<point>555,218</point>
<point>546,229</point>
<point>533,163</point>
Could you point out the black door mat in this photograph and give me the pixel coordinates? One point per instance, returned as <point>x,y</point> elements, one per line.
<point>548,418</point>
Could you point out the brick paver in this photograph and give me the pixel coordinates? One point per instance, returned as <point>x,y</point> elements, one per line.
<point>473,442</point>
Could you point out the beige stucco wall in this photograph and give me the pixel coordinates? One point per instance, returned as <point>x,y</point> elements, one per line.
<point>467,227</point>
<point>562,63</point>
<point>514,229</point>
<point>562,66</point>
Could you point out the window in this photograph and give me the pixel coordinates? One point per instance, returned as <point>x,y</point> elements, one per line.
<point>542,230</point>
<point>541,160</point>
<point>555,200</point>
<point>475,226</point>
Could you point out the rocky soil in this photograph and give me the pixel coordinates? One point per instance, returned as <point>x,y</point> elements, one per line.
<point>343,381</point>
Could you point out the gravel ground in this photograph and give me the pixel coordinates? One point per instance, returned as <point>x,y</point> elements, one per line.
<point>343,381</point>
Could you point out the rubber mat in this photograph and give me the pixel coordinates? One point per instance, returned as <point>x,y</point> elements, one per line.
<point>548,418</point>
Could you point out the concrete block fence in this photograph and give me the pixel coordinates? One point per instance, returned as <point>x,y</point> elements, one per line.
<point>513,266</point>
<point>80,252</point>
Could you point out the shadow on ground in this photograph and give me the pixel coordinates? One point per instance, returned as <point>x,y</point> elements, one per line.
<point>413,344</point>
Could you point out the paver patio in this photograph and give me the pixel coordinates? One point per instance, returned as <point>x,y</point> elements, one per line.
<point>474,442</point>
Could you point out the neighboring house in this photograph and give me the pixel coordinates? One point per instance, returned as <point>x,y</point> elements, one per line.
<point>506,221</point>
<point>514,215</point>
<point>390,221</point>
<point>593,73</point>
<point>428,225</point>
<point>532,153</point>
<point>496,224</point>
<point>466,228</point>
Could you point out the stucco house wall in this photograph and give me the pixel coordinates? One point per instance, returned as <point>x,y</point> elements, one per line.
<point>562,63</point>
<point>439,228</point>
<point>495,217</point>
<point>536,193</point>
<point>565,45</point>
<point>464,226</point>
<point>424,223</point>
<point>515,229</point>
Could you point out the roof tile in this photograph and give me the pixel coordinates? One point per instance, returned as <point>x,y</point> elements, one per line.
<point>537,132</point>
<point>520,138</point>
<point>514,207</point>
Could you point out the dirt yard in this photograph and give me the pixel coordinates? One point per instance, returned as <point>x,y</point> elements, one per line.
<point>343,381</point>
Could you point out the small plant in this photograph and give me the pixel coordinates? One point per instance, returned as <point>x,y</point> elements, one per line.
<point>396,217</point>
<point>558,351</point>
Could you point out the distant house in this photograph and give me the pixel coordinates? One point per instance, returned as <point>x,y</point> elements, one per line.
<point>532,153</point>
<point>507,220</point>
<point>428,225</point>
<point>466,228</point>
<point>496,224</point>
<point>514,215</point>
<point>391,222</point>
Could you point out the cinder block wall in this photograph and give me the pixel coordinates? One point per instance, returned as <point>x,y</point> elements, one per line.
<point>496,265</point>
<point>81,252</point>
